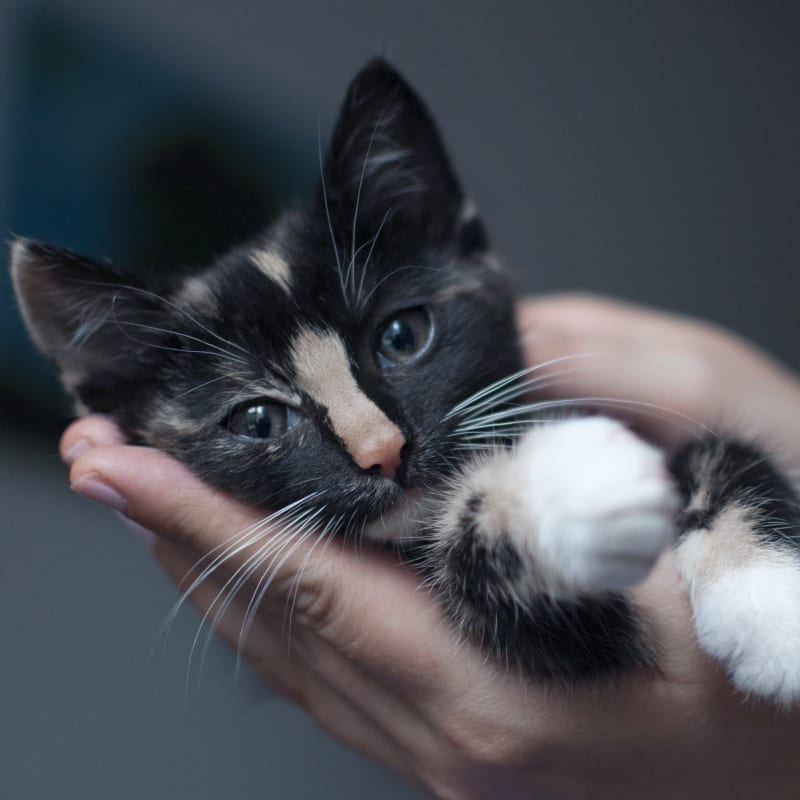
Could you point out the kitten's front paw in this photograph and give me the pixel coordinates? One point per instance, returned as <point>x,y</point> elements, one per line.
<point>603,503</point>
<point>749,619</point>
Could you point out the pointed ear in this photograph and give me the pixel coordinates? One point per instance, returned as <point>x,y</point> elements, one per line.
<point>387,165</point>
<point>94,322</point>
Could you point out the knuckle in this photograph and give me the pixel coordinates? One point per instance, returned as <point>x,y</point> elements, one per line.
<point>478,741</point>
<point>313,595</point>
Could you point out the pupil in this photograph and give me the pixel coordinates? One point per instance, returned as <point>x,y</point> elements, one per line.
<point>399,337</point>
<point>258,422</point>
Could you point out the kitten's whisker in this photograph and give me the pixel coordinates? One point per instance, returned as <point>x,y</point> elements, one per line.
<point>206,383</point>
<point>225,596</point>
<point>521,388</point>
<point>160,298</point>
<point>169,621</point>
<point>273,569</point>
<point>213,615</point>
<point>325,535</point>
<point>394,272</point>
<point>469,402</point>
<point>359,304</point>
<point>189,316</point>
<point>223,552</point>
<point>520,419</point>
<point>327,208</point>
<point>275,542</point>
<point>219,554</point>
<point>503,382</point>
<point>639,406</point>
<point>219,351</point>
<point>351,268</point>
<point>501,430</point>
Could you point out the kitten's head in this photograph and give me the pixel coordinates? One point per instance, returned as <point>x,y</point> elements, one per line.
<point>324,356</point>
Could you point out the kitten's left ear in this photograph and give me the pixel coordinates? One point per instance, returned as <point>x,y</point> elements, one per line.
<point>387,166</point>
<point>101,327</point>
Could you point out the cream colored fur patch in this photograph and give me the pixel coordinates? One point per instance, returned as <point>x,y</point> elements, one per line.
<point>323,371</point>
<point>273,266</point>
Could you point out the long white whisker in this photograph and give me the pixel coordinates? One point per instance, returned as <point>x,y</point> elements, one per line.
<point>350,277</point>
<point>225,596</point>
<point>499,384</point>
<point>325,535</point>
<point>272,570</point>
<point>359,304</point>
<point>189,316</point>
<point>547,405</point>
<point>394,272</point>
<point>131,288</point>
<point>216,350</point>
<point>206,383</point>
<point>218,555</point>
<point>222,552</point>
<point>327,209</point>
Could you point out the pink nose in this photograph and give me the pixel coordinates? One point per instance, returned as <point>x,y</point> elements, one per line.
<point>381,451</point>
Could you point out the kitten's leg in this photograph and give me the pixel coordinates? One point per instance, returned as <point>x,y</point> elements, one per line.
<point>534,542</point>
<point>739,554</point>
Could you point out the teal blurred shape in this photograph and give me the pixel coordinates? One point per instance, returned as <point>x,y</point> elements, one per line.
<point>113,155</point>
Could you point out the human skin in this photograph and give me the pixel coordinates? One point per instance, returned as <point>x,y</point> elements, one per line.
<point>373,660</point>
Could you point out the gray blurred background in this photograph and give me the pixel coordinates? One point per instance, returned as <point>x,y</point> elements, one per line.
<point>647,150</point>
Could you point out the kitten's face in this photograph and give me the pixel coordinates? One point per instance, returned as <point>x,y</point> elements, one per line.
<point>322,358</point>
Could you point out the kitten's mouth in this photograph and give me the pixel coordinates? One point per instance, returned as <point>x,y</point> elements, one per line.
<point>401,521</point>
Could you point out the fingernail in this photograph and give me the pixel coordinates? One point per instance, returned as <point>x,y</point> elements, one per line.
<point>139,531</point>
<point>92,487</point>
<point>77,450</point>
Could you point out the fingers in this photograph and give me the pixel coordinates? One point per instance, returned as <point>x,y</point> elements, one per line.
<point>363,604</point>
<point>334,689</point>
<point>225,611</point>
<point>670,376</point>
<point>654,369</point>
<point>85,433</point>
<point>158,492</point>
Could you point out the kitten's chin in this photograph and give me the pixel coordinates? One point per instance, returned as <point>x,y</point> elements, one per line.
<point>402,521</point>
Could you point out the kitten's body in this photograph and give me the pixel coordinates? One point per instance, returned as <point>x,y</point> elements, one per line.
<point>359,364</point>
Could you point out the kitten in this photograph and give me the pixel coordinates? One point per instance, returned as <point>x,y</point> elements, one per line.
<point>357,366</point>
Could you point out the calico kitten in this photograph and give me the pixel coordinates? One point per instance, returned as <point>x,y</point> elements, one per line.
<point>358,365</point>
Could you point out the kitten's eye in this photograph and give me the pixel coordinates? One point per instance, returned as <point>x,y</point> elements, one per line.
<point>264,420</point>
<point>404,337</point>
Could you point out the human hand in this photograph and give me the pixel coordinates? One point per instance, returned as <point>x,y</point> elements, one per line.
<point>687,373</point>
<point>372,659</point>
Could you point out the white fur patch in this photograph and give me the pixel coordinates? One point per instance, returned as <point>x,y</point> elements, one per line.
<point>589,503</point>
<point>600,501</point>
<point>273,266</point>
<point>323,371</point>
<point>746,601</point>
<point>749,619</point>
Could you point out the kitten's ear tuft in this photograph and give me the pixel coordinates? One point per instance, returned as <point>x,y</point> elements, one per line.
<point>387,164</point>
<point>96,323</point>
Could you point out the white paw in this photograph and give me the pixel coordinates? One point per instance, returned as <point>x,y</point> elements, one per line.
<point>602,500</point>
<point>749,619</point>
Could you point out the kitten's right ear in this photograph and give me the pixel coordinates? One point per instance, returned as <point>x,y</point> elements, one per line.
<point>387,164</point>
<point>96,323</point>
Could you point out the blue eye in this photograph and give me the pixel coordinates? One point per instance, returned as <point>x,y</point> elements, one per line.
<point>404,337</point>
<point>262,420</point>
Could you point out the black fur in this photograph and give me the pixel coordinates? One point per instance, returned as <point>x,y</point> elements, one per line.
<point>727,471</point>
<point>478,580</point>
